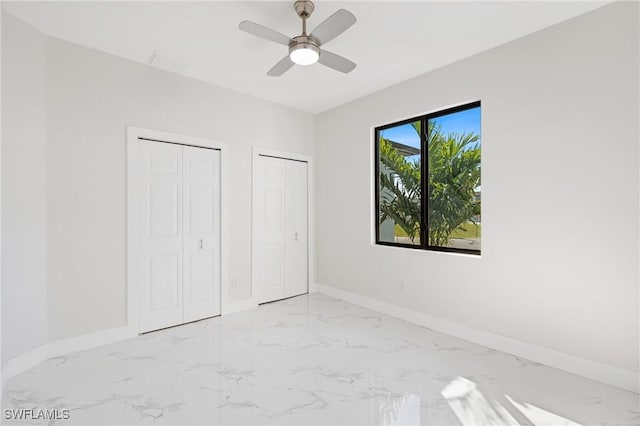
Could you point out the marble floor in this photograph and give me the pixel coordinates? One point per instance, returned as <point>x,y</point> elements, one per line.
<point>310,360</point>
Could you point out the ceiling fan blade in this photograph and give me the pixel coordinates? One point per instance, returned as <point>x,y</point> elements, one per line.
<point>336,62</point>
<point>333,26</point>
<point>281,67</point>
<point>264,32</point>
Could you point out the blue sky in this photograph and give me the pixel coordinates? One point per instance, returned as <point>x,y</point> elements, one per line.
<point>459,122</point>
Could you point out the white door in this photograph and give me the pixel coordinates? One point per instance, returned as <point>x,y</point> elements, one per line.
<point>180,234</point>
<point>269,229</point>
<point>201,239</point>
<point>280,260</point>
<point>161,239</point>
<point>296,258</point>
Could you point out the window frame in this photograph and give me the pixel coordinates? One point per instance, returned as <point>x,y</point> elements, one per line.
<point>424,179</point>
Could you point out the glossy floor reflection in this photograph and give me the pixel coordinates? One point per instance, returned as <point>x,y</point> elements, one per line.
<point>310,360</point>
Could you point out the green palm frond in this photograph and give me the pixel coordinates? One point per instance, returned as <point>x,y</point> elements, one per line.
<point>454,174</point>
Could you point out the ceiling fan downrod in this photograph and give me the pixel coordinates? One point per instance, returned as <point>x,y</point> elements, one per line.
<point>304,9</point>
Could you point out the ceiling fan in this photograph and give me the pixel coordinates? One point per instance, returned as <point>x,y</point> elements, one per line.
<point>305,48</point>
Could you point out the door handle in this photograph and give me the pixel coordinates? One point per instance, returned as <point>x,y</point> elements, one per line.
<point>201,244</point>
<point>295,236</point>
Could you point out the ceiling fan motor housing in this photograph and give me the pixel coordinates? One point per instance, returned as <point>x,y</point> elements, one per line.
<point>304,8</point>
<point>306,44</point>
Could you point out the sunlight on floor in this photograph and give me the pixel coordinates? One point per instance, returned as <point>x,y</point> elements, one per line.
<point>540,417</point>
<point>472,408</point>
<point>404,411</point>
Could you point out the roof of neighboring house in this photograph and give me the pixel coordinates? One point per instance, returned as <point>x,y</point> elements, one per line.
<point>405,150</point>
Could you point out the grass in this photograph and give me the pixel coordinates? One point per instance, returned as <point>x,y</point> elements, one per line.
<point>399,231</point>
<point>468,230</point>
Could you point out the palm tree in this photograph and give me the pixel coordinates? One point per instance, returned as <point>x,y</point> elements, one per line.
<point>454,175</point>
<point>401,190</point>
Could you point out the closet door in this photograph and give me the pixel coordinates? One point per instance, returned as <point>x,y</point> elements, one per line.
<point>280,235</point>
<point>296,236</point>
<point>201,236</point>
<point>161,235</point>
<point>269,228</point>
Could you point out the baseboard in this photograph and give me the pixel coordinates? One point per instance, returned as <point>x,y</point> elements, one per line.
<point>29,359</point>
<point>238,306</point>
<point>603,373</point>
<point>23,362</point>
<point>88,341</point>
<point>35,356</point>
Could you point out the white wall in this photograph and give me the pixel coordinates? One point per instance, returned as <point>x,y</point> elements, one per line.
<point>24,214</point>
<point>90,99</point>
<point>560,192</point>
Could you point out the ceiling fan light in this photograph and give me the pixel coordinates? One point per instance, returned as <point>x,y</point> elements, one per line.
<point>304,53</point>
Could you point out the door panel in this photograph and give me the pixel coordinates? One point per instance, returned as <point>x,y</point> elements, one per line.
<point>201,185</point>
<point>163,216</point>
<point>164,281</point>
<point>161,242</point>
<point>280,260</point>
<point>201,200</point>
<point>202,275</point>
<point>273,209</point>
<point>296,244</point>
<point>269,230</point>
<point>273,272</point>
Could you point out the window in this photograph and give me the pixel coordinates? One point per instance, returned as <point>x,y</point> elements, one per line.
<point>428,192</point>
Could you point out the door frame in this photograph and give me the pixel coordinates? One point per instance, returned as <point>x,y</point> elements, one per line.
<point>257,152</point>
<point>133,195</point>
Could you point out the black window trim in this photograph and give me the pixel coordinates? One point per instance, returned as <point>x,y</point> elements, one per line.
<point>424,178</point>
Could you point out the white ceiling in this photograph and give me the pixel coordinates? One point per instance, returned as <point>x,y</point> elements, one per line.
<point>392,41</point>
